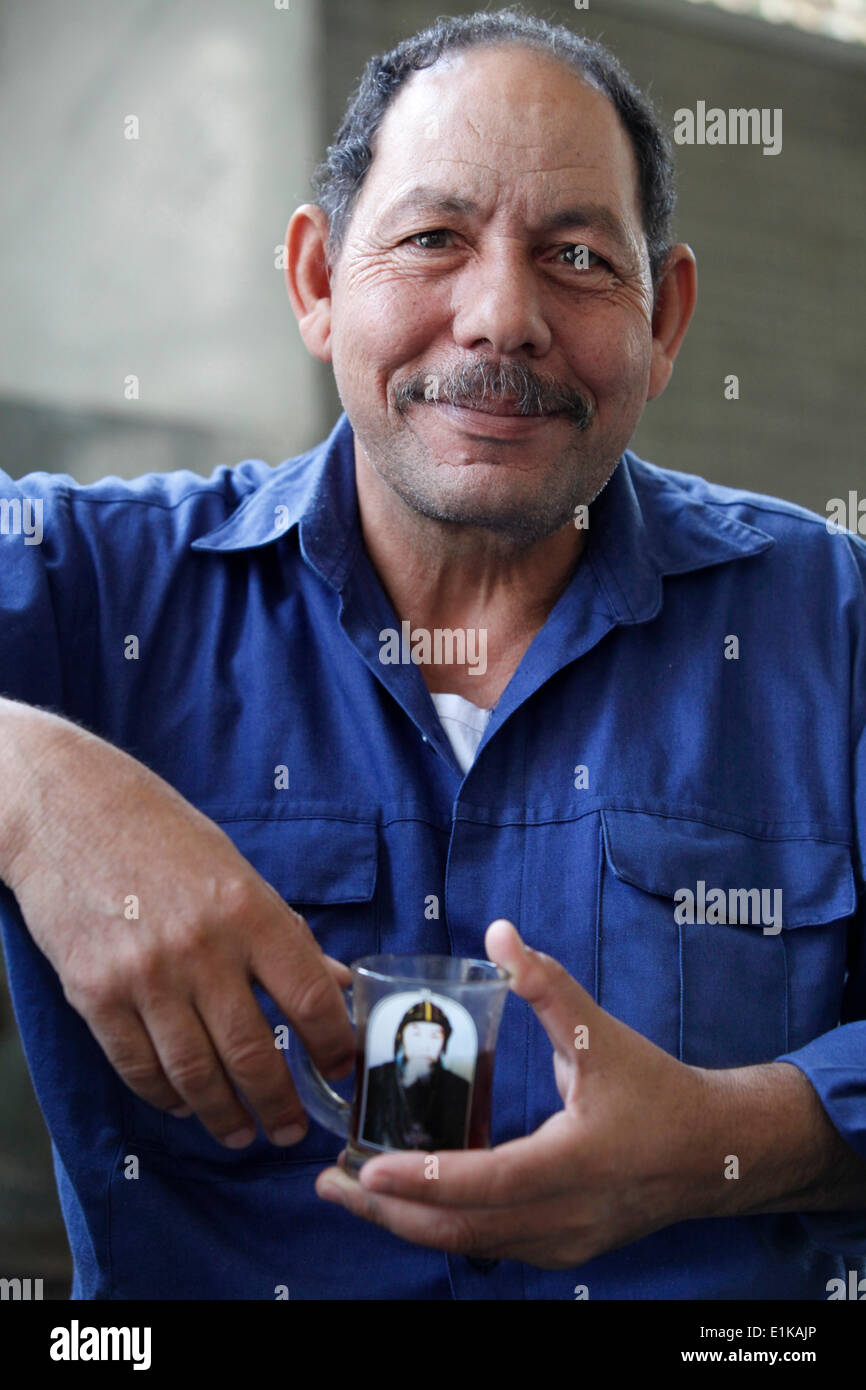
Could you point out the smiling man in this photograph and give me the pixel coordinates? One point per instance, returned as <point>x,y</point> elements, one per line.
<point>494,330</point>
<point>530,308</point>
<point>674,695</point>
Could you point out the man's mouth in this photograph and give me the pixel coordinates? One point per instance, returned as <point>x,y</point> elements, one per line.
<point>503,407</point>
<point>496,420</point>
<point>495,407</point>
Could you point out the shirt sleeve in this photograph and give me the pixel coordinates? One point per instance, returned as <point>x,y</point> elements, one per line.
<point>45,581</point>
<point>835,1062</point>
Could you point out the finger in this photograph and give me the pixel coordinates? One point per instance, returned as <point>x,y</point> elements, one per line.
<point>342,974</point>
<point>245,1046</point>
<point>193,1068</point>
<point>530,1169</point>
<point>561,1004</point>
<point>492,1234</point>
<point>127,1045</point>
<point>292,969</point>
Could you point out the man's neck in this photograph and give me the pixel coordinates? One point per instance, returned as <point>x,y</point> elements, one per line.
<point>448,576</point>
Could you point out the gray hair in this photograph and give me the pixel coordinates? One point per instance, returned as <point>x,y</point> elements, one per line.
<point>337,180</point>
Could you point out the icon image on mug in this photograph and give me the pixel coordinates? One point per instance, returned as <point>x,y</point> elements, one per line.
<point>421,1050</point>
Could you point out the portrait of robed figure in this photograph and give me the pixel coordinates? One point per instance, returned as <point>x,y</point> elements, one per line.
<point>415,1101</point>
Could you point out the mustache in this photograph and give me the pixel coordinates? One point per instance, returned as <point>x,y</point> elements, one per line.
<point>482,383</point>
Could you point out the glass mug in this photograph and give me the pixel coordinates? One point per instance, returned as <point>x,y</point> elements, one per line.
<point>425,1028</point>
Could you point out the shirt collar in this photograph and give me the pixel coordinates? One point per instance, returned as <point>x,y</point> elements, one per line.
<point>314,492</point>
<point>644,524</point>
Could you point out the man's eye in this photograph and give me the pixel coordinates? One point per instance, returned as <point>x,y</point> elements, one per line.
<point>582,258</point>
<point>426,236</point>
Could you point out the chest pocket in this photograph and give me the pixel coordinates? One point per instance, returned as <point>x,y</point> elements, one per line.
<point>325,868</point>
<point>724,948</point>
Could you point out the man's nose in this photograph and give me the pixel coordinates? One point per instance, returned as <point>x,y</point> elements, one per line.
<point>499,302</point>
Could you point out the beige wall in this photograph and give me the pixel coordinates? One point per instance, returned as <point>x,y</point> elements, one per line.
<point>154,256</point>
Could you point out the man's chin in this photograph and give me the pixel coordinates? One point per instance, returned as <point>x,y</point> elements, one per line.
<point>476,485</point>
<point>513,521</point>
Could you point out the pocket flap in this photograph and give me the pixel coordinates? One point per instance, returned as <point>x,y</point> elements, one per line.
<point>666,854</point>
<point>311,859</point>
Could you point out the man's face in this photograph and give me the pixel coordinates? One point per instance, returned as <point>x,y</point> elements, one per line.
<point>489,170</point>
<point>423,1041</point>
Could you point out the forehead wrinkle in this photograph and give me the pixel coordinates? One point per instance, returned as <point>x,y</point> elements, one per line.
<point>443,197</point>
<point>490,139</point>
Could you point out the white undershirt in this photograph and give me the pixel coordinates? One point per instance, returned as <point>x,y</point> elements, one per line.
<point>464,723</point>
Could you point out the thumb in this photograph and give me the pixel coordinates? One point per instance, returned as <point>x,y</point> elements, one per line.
<point>564,1007</point>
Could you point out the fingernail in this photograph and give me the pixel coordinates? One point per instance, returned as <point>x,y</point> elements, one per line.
<point>288,1134</point>
<point>239,1138</point>
<point>181,1112</point>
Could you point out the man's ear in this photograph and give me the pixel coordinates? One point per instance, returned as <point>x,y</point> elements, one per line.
<point>675,298</point>
<point>308,278</point>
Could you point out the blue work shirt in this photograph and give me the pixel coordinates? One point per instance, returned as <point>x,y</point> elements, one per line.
<point>636,751</point>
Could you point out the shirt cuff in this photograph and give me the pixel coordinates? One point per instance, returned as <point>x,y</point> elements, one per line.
<point>835,1064</point>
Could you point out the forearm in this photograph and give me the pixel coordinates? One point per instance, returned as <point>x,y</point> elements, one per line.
<point>26,736</point>
<point>775,1148</point>
<point>52,779</point>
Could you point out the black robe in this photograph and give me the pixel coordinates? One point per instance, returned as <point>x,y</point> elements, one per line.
<point>430,1114</point>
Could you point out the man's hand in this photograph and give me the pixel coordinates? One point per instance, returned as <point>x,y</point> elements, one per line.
<point>168,995</point>
<point>642,1141</point>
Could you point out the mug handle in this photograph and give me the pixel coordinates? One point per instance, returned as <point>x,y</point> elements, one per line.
<point>319,1100</point>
